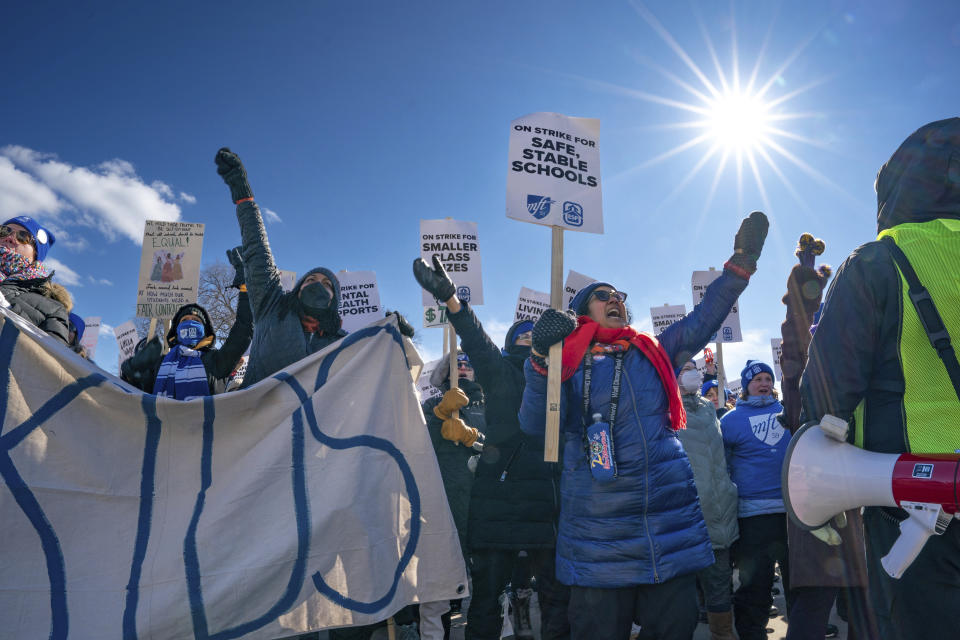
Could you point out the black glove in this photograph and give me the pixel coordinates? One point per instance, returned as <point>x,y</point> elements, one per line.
<point>749,242</point>
<point>552,327</point>
<point>233,255</point>
<point>231,170</point>
<point>406,329</point>
<point>434,281</point>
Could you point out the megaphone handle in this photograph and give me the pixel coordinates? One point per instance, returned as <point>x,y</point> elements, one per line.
<point>914,532</point>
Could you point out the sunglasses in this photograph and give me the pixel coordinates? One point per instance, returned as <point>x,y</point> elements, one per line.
<point>22,235</point>
<point>604,296</point>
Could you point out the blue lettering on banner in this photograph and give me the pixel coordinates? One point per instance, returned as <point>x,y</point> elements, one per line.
<point>463,292</point>
<point>539,206</point>
<point>728,334</point>
<point>50,544</point>
<point>572,214</point>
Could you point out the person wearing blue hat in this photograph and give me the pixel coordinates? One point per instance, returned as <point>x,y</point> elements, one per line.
<point>25,284</point>
<point>756,444</point>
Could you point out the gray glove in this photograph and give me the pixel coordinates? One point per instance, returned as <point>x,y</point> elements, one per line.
<point>434,281</point>
<point>231,170</point>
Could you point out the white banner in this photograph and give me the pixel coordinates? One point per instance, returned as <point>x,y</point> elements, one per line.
<point>575,282</point>
<point>531,304</point>
<point>250,514</point>
<point>663,317</point>
<point>730,329</point>
<point>127,339</point>
<point>554,172</point>
<point>776,347</point>
<point>359,299</point>
<point>455,243</point>
<point>91,335</point>
<point>169,267</point>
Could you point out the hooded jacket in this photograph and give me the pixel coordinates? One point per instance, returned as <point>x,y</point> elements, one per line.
<point>452,457</point>
<point>704,446</point>
<point>44,303</point>
<point>854,355</point>
<point>646,526</point>
<point>519,512</point>
<point>141,368</point>
<point>279,338</point>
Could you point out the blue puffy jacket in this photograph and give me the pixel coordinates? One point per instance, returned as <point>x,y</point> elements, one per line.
<point>644,527</point>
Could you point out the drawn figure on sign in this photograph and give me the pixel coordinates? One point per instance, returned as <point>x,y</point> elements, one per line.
<point>177,268</point>
<point>166,274</point>
<point>157,272</point>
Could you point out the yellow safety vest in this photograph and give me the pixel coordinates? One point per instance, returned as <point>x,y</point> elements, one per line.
<point>931,409</point>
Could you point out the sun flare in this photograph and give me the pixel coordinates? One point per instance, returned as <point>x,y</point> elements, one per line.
<point>738,121</point>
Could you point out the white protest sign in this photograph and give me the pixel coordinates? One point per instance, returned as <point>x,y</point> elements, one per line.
<point>734,386</point>
<point>424,388</point>
<point>169,267</point>
<point>665,316</point>
<point>434,316</point>
<point>531,304</point>
<point>575,282</point>
<point>554,172</point>
<point>359,299</point>
<point>287,279</point>
<point>454,242</point>
<point>776,347</point>
<point>730,329</point>
<point>127,338</point>
<point>91,334</point>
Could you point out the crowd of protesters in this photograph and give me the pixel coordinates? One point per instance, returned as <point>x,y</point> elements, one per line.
<point>668,490</point>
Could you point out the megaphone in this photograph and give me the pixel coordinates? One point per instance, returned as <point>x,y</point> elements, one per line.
<point>823,476</point>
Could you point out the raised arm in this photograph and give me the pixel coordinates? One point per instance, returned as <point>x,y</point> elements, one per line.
<point>262,275</point>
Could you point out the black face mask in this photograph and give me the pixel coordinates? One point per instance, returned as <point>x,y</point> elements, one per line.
<point>316,300</point>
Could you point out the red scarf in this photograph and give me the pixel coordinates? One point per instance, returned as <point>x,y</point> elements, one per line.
<point>310,325</point>
<point>588,332</point>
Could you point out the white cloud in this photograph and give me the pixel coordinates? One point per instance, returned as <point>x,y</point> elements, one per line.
<point>102,281</point>
<point>270,215</point>
<point>189,199</point>
<point>106,329</point>
<point>110,196</point>
<point>21,194</point>
<point>77,243</point>
<point>64,274</point>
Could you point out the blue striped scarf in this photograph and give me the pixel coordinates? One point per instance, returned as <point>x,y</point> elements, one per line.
<point>182,375</point>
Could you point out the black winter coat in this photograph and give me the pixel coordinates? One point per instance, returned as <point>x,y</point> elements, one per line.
<point>141,369</point>
<point>41,302</point>
<point>521,511</point>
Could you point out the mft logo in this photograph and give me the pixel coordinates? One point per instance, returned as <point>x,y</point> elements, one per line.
<point>463,292</point>
<point>572,214</point>
<point>539,206</point>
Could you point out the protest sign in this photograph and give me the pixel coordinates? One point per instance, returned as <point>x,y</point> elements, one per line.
<point>91,334</point>
<point>734,385</point>
<point>531,304</point>
<point>663,317</point>
<point>575,282</point>
<point>169,267</point>
<point>424,387</point>
<point>359,299</point>
<point>288,279</point>
<point>553,177</point>
<point>454,242</point>
<point>127,339</point>
<point>434,316</point>
<point>730,329</point>
<point>776,346</point>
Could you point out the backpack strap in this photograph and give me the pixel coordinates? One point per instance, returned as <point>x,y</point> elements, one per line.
<point>927,311</point>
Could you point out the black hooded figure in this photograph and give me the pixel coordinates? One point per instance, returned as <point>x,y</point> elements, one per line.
<point>514,502</point>
<point>288,326</point>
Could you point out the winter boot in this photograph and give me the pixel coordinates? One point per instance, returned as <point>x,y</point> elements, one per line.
<point>522,627</point>
<point>721,625</point>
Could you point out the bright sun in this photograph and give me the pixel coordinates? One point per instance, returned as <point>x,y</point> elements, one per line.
<point>737,121</point>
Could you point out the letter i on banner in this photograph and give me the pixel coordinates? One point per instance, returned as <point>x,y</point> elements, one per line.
<point>553,179</point>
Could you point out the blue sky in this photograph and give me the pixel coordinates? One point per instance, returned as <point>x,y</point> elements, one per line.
<point>356,120</point>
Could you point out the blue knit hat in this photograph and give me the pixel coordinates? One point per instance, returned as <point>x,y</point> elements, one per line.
<point>42,237</point>
<point>753,368</point>
<point>78,324</point>
<point>709,384</point>
<point>579,302</point>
